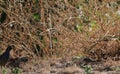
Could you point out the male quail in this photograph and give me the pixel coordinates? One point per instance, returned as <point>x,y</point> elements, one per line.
<point>5,56</point>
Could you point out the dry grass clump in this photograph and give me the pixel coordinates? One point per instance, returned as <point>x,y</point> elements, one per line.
<point>61,27</point>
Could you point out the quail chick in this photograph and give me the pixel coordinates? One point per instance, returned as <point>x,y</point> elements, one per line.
<point>5,56</point>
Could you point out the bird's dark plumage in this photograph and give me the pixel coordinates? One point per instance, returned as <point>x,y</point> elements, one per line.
<point>5,56</point>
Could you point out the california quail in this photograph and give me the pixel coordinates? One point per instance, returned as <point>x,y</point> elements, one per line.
<point>5,56</point>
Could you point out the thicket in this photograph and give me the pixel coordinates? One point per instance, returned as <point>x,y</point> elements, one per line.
<point>61,27</point>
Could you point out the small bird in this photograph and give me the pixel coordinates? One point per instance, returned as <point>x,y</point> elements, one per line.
<point>5,56</point>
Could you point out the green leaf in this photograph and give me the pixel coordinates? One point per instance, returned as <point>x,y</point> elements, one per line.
<point>93,25</point>
<point>78,27</point>
<point>16,70</point>
<point>36,16</point>
<point>55,40</point>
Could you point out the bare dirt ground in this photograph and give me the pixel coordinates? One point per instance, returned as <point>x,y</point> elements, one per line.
<point>64,66</point>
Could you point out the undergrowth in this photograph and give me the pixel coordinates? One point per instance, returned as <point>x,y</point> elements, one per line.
<point>61,27</point>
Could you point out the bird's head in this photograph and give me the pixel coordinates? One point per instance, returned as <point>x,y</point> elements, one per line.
<point>9,48</point>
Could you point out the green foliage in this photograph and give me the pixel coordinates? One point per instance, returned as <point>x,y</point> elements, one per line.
<point>4,71</point>
<point>55,40</point>
<point>87,69</point>
<point>37,3</point>
<point>93,25</point>
<point>36,16</point>
<point>78,27</point>
<point>115,68</point>
<point>16,71</point>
